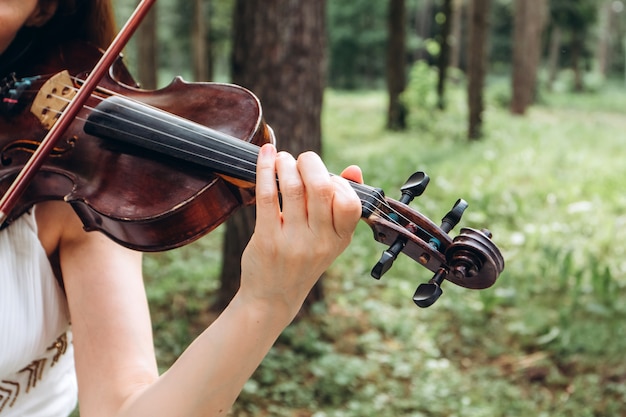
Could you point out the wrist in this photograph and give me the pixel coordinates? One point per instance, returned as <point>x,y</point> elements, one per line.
<point>275,312</point>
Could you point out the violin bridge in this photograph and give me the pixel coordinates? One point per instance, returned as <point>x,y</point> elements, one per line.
<point>52,98</point>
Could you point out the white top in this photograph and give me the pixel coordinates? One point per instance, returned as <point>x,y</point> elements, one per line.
<point>37,377</point>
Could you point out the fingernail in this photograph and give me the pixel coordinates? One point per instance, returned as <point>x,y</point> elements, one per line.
<point>267,150</point>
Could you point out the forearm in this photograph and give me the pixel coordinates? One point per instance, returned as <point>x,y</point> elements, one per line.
<point>210,374</point>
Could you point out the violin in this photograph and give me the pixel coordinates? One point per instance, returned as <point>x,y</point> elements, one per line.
<point>155,170</point>
<point>148,200</point>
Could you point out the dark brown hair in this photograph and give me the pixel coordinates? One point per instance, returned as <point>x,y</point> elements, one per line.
<point>85,20</point>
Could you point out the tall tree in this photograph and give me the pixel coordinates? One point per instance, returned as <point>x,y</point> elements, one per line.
<point>396,64</point>
<point>278,54</point>
<point>477,64</point>
<point>528,25</point>
<point>607,31</point>
<point>575,17</point>
<point>201,63</point>
<point>423,25</point>
<point>458,7</point>
<point>443,61</point>
<point>553,54</point>
<point>147,56</point>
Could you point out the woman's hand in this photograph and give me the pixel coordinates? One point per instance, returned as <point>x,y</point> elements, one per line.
<point>295,243</point>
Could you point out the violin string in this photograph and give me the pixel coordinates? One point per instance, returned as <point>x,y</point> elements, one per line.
<point>206,157</point>
<point>371,206</point>
<point>366,204</point>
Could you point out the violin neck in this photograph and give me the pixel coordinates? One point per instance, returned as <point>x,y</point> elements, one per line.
<point>134,124</point>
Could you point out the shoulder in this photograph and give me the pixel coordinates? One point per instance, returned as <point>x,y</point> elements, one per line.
<point>56,220</point>
<point>61,231</point>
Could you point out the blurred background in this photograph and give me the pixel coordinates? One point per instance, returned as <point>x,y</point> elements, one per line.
<point>517,106</point>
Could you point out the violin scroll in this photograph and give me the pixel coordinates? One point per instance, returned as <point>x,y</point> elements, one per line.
<point>470,260</point>
<point>475,261</point>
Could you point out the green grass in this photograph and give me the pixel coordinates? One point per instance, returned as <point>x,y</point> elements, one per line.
<point>546,340</point>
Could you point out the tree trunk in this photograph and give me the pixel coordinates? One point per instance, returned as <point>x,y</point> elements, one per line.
<point>553,55</point>
<point>577,48</point>
<point>444,55</point>
<point>528,26</point>
<point>147,56</point>
<point>456,31</point>
<point>604,37</point>
<point>423,24</point>
<point>477,64</point>
<point>278,53</point>
<point>396,64</point>
<point>200,47</point>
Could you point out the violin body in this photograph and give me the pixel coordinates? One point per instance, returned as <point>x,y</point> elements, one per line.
<point>134,196</point>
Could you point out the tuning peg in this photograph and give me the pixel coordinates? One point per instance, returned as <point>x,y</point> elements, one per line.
<point>11,90</point>
<point>387,258</point>
<point>426,294</point>
<point>414,187</point>
<point>453,217</point>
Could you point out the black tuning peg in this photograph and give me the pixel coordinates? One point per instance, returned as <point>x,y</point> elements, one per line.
<point>414,187</point>
<point>386,260</point>
<point>426,294</point>
<point>453,217</point>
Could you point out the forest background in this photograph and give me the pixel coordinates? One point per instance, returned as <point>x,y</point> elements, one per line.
<point>516,106</point>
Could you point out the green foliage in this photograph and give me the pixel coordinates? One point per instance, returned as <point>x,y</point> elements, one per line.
<point>499,92</point>
<point>420,97</point>
<point>501,33</point>
<point>181,285</point>
<point>575,15</point>
<point>357,35</point>
<point>174,36</point>
<point>593,82</point>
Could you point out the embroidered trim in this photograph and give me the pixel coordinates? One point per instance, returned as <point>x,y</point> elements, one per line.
<point>11,394</point>
<point>34,372</point>
<point>61,346</point>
